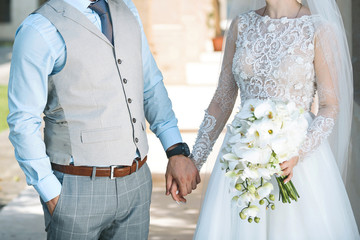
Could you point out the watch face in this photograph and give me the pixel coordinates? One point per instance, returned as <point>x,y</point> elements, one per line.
<point>181,149</point>
<point>186,150</point>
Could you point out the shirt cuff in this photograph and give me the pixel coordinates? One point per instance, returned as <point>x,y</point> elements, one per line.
<point>48,188</point>
<point>170,137</point>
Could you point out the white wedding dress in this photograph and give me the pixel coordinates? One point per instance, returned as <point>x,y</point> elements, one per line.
<point>280,59</point>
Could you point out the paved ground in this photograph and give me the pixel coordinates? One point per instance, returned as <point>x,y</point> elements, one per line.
<point>12,179</point>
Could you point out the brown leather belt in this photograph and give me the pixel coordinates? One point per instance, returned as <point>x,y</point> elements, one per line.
<point>112,171</point>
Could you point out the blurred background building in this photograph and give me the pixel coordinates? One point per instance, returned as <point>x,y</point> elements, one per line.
<point>179,31</point>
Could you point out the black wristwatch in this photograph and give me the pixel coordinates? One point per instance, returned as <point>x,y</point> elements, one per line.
<point>180,149</point>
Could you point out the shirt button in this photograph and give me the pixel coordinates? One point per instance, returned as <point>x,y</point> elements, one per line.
<point>129,100</point>
<point>125,80</point>
<point>134,120</point>
<point>136,140</point>
<point>119,61</point>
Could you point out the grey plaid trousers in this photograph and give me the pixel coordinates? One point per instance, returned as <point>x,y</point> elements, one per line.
<point>101,208</point>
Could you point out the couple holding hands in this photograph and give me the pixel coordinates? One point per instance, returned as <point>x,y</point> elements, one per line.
<point>86,65</point>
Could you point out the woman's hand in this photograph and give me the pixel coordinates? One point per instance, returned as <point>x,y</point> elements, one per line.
<point>287,168</point>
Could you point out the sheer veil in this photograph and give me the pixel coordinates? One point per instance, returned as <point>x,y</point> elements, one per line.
<point>331,38</point>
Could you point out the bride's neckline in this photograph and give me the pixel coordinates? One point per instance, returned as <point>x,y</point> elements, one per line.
<point>267,17</point>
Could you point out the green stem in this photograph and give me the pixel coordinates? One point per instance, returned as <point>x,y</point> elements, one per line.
<point>294,189</point>
<point>288,188</point>
<point>267,200</point>
<point>286,191</point>
<point>290,191</point>
<point>286,195</point>
<point>282,191</point>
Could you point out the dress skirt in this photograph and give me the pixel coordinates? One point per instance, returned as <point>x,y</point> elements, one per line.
<point>323,211</point>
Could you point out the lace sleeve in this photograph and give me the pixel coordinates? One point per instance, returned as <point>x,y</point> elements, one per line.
<point>221,105</point>
<point>323,123</point>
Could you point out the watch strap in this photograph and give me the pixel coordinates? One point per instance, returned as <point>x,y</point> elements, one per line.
<point>181,149</point>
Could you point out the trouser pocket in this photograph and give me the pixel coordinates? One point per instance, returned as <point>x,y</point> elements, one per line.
<point>47,216</point>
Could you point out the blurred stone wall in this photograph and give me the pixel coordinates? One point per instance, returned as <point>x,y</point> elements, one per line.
<point>177,32</point>
<point>19,10</point>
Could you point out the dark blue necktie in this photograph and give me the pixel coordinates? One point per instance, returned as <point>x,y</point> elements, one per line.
<point>101,7</point>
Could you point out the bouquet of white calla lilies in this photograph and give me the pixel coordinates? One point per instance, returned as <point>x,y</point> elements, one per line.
<point>262,135</point>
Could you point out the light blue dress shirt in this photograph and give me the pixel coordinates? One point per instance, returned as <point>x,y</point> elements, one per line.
<point>39,51</point>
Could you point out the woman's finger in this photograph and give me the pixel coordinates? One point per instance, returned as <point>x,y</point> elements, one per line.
<point>286,171</point>
<point>284,165</point>
<point>194,185</point>
<point>174,191</point>
<point>289,177</point>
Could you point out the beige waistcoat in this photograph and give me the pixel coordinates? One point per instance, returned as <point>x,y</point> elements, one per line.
<point>95,110</point>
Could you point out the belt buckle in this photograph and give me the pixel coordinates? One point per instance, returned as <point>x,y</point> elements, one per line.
<point>112,168</point>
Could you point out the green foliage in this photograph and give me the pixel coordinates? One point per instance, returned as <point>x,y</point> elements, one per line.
<point>4,109</point>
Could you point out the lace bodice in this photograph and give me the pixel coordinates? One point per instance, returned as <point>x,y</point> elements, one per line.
<point>271,58</point>
<point>274,59</point>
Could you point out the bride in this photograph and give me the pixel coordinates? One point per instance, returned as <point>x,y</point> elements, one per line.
<point>288,51</point>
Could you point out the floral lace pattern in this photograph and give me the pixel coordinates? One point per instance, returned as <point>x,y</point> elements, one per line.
<point>203,144</point>
<point>271,58</point>
<point>320,128</point>
<point>221,105</point>
<point>274,59</point>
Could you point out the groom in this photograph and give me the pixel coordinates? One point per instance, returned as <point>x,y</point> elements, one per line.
<point>87,66</point>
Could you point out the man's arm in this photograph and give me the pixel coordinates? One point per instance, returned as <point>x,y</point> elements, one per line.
<point>32,61</point>
<point>159,113</point>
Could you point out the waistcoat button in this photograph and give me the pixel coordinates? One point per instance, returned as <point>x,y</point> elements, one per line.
<point>136,140</point>
<point>125,80</point>
<point>129,100</point>
<point>119,61</point>
<point>134,120</point>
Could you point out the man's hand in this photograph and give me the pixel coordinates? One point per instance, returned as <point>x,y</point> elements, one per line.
<point>52,204</point>
<point>181,177</point>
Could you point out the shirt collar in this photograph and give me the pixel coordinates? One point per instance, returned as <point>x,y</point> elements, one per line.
<point>81,5</point>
